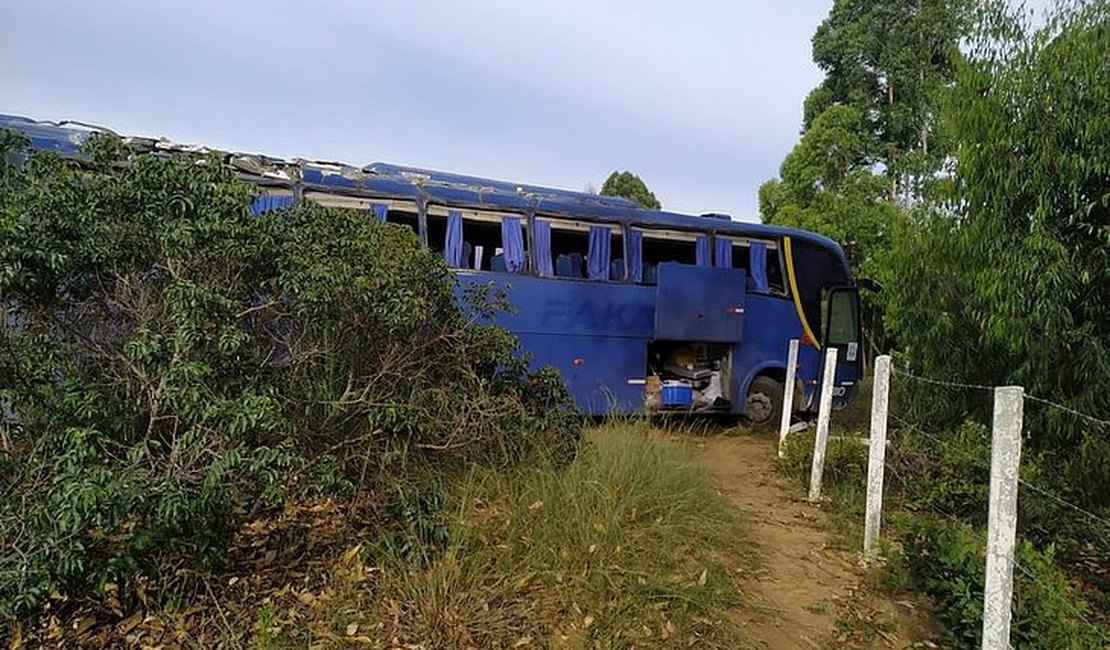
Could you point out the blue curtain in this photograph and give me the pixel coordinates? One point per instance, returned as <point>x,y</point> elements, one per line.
<point>723,254</point>
<point>597,262</point>
<point>512,241</point>
<point>266,203</point>
<point>453,247</point>
<point>702,252</point>
<point>634,253</point>
<point>541,248</point>
<point>380,210</point>
<point>757,268</point>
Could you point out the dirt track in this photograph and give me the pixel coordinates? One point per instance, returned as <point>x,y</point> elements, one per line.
<point>806,593</point>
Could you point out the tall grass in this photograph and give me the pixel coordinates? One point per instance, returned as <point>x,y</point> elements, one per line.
<point>628,545</point>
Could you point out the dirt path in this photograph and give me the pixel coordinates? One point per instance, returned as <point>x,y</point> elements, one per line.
<point>806,593</point>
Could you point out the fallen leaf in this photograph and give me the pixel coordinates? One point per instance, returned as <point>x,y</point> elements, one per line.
<point>588,621</point>
<point>536,506</point>
<point>16,642</point>
<point>703,577</point>
<point>129,623</point>
<point>352,629</point>
<point>352,553</point>
<point>523,641</point>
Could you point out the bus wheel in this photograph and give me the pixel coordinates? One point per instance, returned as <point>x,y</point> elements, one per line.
<point>764,404</point>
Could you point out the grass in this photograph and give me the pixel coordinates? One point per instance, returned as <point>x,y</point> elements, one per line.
<point>627,546</point>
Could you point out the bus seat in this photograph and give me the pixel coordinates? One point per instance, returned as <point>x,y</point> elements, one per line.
<point>616,270</point>
<point>467,249</point>
<point>563,267</point>
<point>497,263</point>
<point>577,262</point>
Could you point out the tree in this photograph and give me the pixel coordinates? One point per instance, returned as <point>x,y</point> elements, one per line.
<point>630,186</point>
<point>827,187</point>
<point>871,133</point>
<point>891,59</point>
<point>1025,289</point>
<point>1009,282</point>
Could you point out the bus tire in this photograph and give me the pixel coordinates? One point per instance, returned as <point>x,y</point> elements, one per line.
<point>764,402</point>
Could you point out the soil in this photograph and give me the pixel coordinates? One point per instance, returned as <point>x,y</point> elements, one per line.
<point>808,591</point>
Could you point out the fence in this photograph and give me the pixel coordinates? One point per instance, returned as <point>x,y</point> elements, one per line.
<point>1003,465</point>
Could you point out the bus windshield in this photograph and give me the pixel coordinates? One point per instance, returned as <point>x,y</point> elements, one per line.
<point>816,269</point>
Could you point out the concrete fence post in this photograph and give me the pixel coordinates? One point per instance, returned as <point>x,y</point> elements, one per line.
<point>788,392</point>
<point>876,459</point>
<point>1002,516</point>
<point>819,443</point>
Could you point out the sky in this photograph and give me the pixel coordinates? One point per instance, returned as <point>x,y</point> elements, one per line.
<point>701,99</point>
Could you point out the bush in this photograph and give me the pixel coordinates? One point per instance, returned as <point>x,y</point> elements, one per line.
<point>952,476</point>
<point>170,363</point>
<point>845,474</point>
<point>946,560</point>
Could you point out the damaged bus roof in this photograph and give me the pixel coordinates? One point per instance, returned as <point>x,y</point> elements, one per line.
<point>380,179</point>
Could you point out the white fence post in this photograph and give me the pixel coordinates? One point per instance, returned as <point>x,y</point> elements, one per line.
<point>876,460</point>
<point>788,392</point>
<point>1002,523</point>
<point>822,425</point>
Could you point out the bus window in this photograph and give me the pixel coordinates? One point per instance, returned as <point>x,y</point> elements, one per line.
<point>570,245</point>
<point>480,239</point>
<point>399,212</point>
<point>775,276</point>
<point>585,250</point>
<point>841,318</point>
<point>740,257</point>
<point>661,246</point>
<point>437,231</point>
<point>618,266</point>
<point>816,268</point>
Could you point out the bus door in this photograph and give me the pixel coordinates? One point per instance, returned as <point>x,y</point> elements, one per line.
<point>842,331</point>
<point>697,303</point>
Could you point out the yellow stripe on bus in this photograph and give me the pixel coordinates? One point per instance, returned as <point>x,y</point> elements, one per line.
<point>789,253</point>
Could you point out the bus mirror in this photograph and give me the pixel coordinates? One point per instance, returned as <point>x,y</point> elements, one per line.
<point>869,284</point>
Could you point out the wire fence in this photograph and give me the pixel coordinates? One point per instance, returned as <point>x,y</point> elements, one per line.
<point>1005,470</point>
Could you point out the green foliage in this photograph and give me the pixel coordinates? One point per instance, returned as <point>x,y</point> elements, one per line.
<point>952,476</point>
<point>890,60</point>
<point>871,136</point>
<point>1007,282</point>
<point>1020,295</point>
<point>630,186</point>
<point>170,364</point>
<point>946,560</point>
<point>845,473</point>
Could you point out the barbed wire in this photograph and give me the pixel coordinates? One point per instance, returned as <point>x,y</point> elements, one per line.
<point>1060,598</point>
<point>1068,409</point>
<point>938,382</point>
<point>935,438</point>
<point>1064,502</point>
<point>1074,609</point>
<point>1039,490</point>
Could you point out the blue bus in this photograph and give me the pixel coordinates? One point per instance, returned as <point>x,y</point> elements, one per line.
<point>639,310</point>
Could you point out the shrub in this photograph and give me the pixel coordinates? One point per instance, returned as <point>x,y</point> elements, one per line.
<point>170,363</point>
<point>845,473</point>
<point>946,560</point>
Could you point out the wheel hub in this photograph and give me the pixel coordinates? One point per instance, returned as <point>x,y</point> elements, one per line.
<point>758,407</point>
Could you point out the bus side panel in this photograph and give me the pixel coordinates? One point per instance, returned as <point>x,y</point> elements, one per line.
<point>596,370</point>
<point>594,333</point>
<point>770,324</point>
